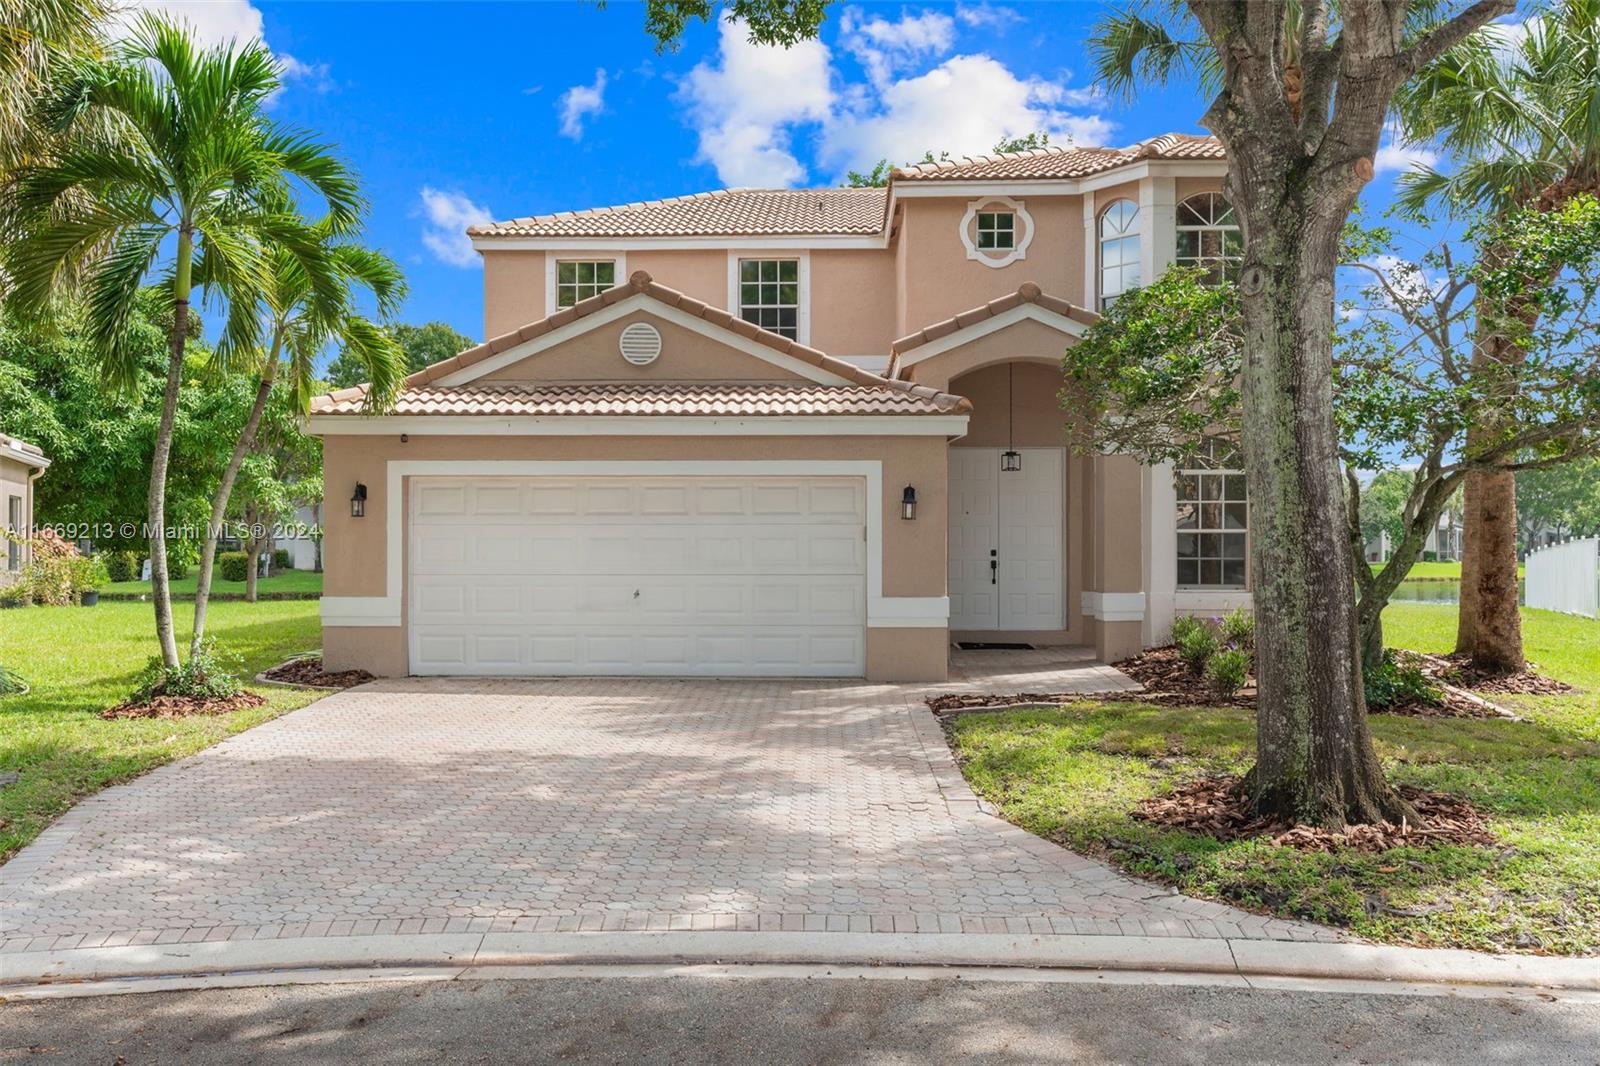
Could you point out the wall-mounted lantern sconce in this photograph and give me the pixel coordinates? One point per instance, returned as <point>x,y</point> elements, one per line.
<point>358,501</point>
<point>908,503</point>
<point>1010,459</point>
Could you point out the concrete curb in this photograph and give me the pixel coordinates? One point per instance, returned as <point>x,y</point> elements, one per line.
<point>1231,959</point>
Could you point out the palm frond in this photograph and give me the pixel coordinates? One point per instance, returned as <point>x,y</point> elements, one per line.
<point>1138,45</point>
<point>112,294</point>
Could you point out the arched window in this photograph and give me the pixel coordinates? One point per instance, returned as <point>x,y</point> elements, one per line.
<point>1119,250</point>
<point>1208,236</point>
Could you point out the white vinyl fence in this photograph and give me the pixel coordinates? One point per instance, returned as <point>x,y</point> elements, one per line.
<point>1565,577</point>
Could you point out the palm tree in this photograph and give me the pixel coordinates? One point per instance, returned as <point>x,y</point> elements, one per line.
<point>36,37</point>
<point>1523,116</point>
<point>169,159</point>
<point>301,325</point>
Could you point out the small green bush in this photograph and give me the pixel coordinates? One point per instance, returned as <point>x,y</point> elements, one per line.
<point>181,556</point>
<point>88,574</point>
<point>233,566</point>
<point>1430,557</point>
<point>208,675</point>
<point>280,559</point>
<point>1198,646</point>
<point>17,594</point>
<point>1396,684</point>
<point>1228,670</point>
<point>122,565</point>
<point>11,683</point>
<point>1239,628</point>
<point>1183,625</point>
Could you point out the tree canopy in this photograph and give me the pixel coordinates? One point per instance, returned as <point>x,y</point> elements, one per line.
<point>423,346</point>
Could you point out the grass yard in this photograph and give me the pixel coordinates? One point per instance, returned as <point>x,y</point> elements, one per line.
<point>1072,775</point>
<point>1424,571</point>
<point>306,581</point>
<point>80,660</point>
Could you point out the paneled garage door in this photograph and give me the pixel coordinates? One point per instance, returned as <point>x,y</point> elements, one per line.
<point>692,576</point>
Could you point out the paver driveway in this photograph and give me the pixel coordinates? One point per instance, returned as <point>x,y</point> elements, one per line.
<point>447,804</point>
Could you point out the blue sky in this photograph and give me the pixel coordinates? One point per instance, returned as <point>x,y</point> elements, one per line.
<point>460,111</point>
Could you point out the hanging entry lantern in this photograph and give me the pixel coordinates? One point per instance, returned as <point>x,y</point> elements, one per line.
<point>358,501</point>
<point>1011,459</point>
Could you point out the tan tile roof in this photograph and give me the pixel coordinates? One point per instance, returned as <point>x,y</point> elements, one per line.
<point>1028,292</point>
<point>738,400</point>
<point>1064,161</point>
<point>723,213</point>
<point>22,451</point>
<point>895,397</point>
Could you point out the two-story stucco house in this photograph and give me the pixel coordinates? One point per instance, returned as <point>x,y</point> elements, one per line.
<point>785,432</point>
<point>21,464</point>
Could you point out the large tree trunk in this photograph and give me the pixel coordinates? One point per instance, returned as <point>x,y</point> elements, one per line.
<point>1315,761</point>
<point>219,502</point>
<point>1489,620</point>
<point>156,500</point>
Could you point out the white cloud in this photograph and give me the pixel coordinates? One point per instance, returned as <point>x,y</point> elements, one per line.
<point>214,22</point>
<point>986,14</point>
<point>222,22</point>
<point>884,47</point>
<point>744,108</point>
<point>448,215</point>
<point>751,102</point>
<point>579,103</point>
<point>963,106</point>
<point>315,75</point>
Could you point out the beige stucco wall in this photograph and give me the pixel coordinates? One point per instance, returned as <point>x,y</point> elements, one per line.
<point>940,281</point>
<point>852,301</point>
<point>355,549</point>
<point>700,273</point>
<point>685,356</point>
<point>513,291</point>
<point>14,482</point>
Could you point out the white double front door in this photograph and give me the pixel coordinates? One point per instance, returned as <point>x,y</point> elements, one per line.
<point>1006,540</point>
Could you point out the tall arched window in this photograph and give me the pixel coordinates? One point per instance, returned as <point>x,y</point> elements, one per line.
<point>1208,236</point>
<point>1119,250</point>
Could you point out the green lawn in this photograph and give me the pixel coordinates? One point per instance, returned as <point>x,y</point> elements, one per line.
<point>80,660</point>
<point>1422,571</point>
<point>308,581</point>
<point>1072,775</point>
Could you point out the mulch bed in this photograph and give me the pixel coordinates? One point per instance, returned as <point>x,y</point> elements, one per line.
<point>1458,670</point>
<point>1218,807</point>
<point>1169,681</point>
<point>183,706</point>
<point>308,671</point>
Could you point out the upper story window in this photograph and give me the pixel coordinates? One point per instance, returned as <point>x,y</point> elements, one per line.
<point>1213,522</point>
<point>769,295</point>
<point>580,279</point>
<point>997,230</point>
<point>1120,256</point>
<point>1208,236</point>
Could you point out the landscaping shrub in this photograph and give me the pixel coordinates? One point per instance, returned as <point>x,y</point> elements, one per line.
<point>1198,646</point>
<point>1183,625</point>
<point>122,565</point>
<point>1228,670</point>
<point>233,566</point>
<point>88,574</point>
<point>1396,683</point>
<point>17,594</point>
<point>1430,557</point>
<point>280,559</point>
<point>11,683</point>
<point>208,675</point>
<point>1239,628</point>
<point>181,557</point>
<point>50,572</point>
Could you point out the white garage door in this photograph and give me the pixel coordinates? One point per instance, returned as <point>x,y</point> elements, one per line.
<point>707,576</point>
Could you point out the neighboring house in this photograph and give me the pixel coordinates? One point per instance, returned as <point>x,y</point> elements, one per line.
<point>305,553</point>
<point>21,464</point>
<point>785,432</point>
<point>1442,543</point>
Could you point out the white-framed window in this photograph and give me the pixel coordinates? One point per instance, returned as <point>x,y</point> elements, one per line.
<point>579,279</point>
<point>1213,523</point>
<point>769,294</point>
<point>14,524</point>
<point>1208,236</point>
<point>1120,257</point>
<point>997,230</point>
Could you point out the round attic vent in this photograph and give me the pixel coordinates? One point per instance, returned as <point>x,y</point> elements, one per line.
<point>640,343</point>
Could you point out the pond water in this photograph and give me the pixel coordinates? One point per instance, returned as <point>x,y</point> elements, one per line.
<point>1448,592</point>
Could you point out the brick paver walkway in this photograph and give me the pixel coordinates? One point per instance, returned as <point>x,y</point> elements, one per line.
<point>446,805</point>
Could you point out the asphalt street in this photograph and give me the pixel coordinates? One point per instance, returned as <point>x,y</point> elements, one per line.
<point>677,1019</point>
